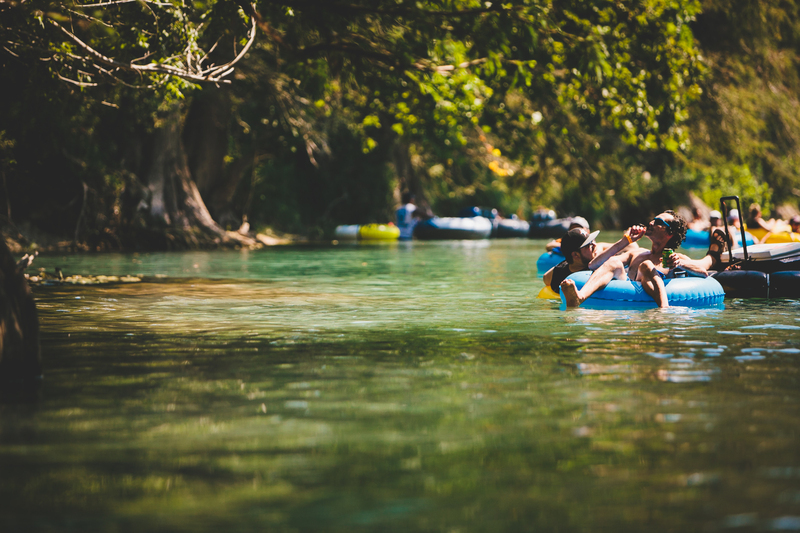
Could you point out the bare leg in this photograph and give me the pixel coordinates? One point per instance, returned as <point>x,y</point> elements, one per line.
<point>653,284</point>
<point>570,293</point>
<point>611,269</point>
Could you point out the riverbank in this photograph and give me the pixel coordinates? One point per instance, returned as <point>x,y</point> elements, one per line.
<point>28,239</point>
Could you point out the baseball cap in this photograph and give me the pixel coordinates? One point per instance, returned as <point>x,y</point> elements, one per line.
<point>580,221</point>
<point>715,214</point>
<point>575,239</point>
<point>733,214</point>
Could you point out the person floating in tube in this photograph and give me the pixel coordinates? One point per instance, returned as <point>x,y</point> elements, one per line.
<point>666,232</point>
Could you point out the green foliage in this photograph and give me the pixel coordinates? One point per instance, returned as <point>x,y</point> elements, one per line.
<point>735,180</point>
<point>746,128</point>
<point>607,109</point>
<point>348,187</point>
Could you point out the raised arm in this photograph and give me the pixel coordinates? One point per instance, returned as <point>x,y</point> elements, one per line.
<point>630,236</point>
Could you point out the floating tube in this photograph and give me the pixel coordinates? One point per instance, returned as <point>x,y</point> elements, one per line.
<point>507,228</point>
<point>743,283</point>
<point>696,239</point>
<point>346,232</point>
<point>700,239</point>
<point>783,237</point>
<point>548,294</point>
<point>475,211</point>
<point>757,233</point>
<point>756,284</point>
<point>453,228</point>
<point>784,284</point>
<point>547,261</point>
<point>378,232</point>
<point>367,232</point>
<point>548,229</point>
<point>682,292</point>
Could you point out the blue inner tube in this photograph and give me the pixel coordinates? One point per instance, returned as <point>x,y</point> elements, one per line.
<point>454,228</point>
<point>700,239</point>
<point>547,261</point>
<point>683,292</point>
<point>508,228</point>
<point>696,239</point>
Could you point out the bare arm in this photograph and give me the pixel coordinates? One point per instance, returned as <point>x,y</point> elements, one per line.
<point>550,246</point>
<point>699,266</point>
<point>548,276</point>
<point>621,247</point>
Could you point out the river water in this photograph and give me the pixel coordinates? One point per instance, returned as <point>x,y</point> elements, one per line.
<point>414,386</point>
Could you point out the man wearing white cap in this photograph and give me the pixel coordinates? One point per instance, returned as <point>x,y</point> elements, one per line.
<point>579,249</point>
<point>574,222</point>
<point>667,230</point>
<point>715,218</point>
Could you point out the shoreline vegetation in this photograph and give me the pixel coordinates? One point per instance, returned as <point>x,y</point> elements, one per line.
<point>253,240</point>
<point>45,243</point>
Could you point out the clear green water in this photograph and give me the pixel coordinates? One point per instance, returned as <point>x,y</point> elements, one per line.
<point>405,387</point>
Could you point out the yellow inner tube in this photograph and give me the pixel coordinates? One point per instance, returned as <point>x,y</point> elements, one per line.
<point>757,233</point>
<point>783,236</point>
<point>548,293</point>
<point>378,232</point>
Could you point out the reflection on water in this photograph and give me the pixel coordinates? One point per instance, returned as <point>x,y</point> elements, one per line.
<point>414,386</point>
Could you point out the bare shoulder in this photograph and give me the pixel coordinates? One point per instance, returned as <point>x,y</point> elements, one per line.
<point>638,255</point>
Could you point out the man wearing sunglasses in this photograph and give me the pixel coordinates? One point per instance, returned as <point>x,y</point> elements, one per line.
<point>667,230</point>
<point>579,248</point>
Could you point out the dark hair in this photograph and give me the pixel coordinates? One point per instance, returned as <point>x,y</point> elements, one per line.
<point>678,230</point>
<point>572,241</point>
<point>408,197</point>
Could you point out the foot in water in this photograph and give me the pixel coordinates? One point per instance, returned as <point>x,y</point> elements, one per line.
<point>570,293</point>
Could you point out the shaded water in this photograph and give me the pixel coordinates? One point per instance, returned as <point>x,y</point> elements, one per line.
<point>404,387</point>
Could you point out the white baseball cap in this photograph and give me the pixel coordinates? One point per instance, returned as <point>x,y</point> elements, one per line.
<point>590,239</point>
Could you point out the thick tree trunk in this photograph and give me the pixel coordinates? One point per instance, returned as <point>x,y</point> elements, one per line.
<point>175,202</point>
<point>206,136</point>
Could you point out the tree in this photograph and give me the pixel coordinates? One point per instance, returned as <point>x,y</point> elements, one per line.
<point>429,86</point>
<point>745,128</point>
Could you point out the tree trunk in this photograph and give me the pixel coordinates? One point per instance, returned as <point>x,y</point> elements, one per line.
<point>206,136</point>
<point>175,202</point>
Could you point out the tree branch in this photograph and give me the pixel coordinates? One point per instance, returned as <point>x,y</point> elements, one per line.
<point>192,71</point>
<point>118,2</point>
<point>494,7</point>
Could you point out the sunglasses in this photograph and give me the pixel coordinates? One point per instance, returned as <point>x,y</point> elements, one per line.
<point>661,222</point>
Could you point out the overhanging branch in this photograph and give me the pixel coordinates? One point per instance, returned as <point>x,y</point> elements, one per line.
<point>192,69</point>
